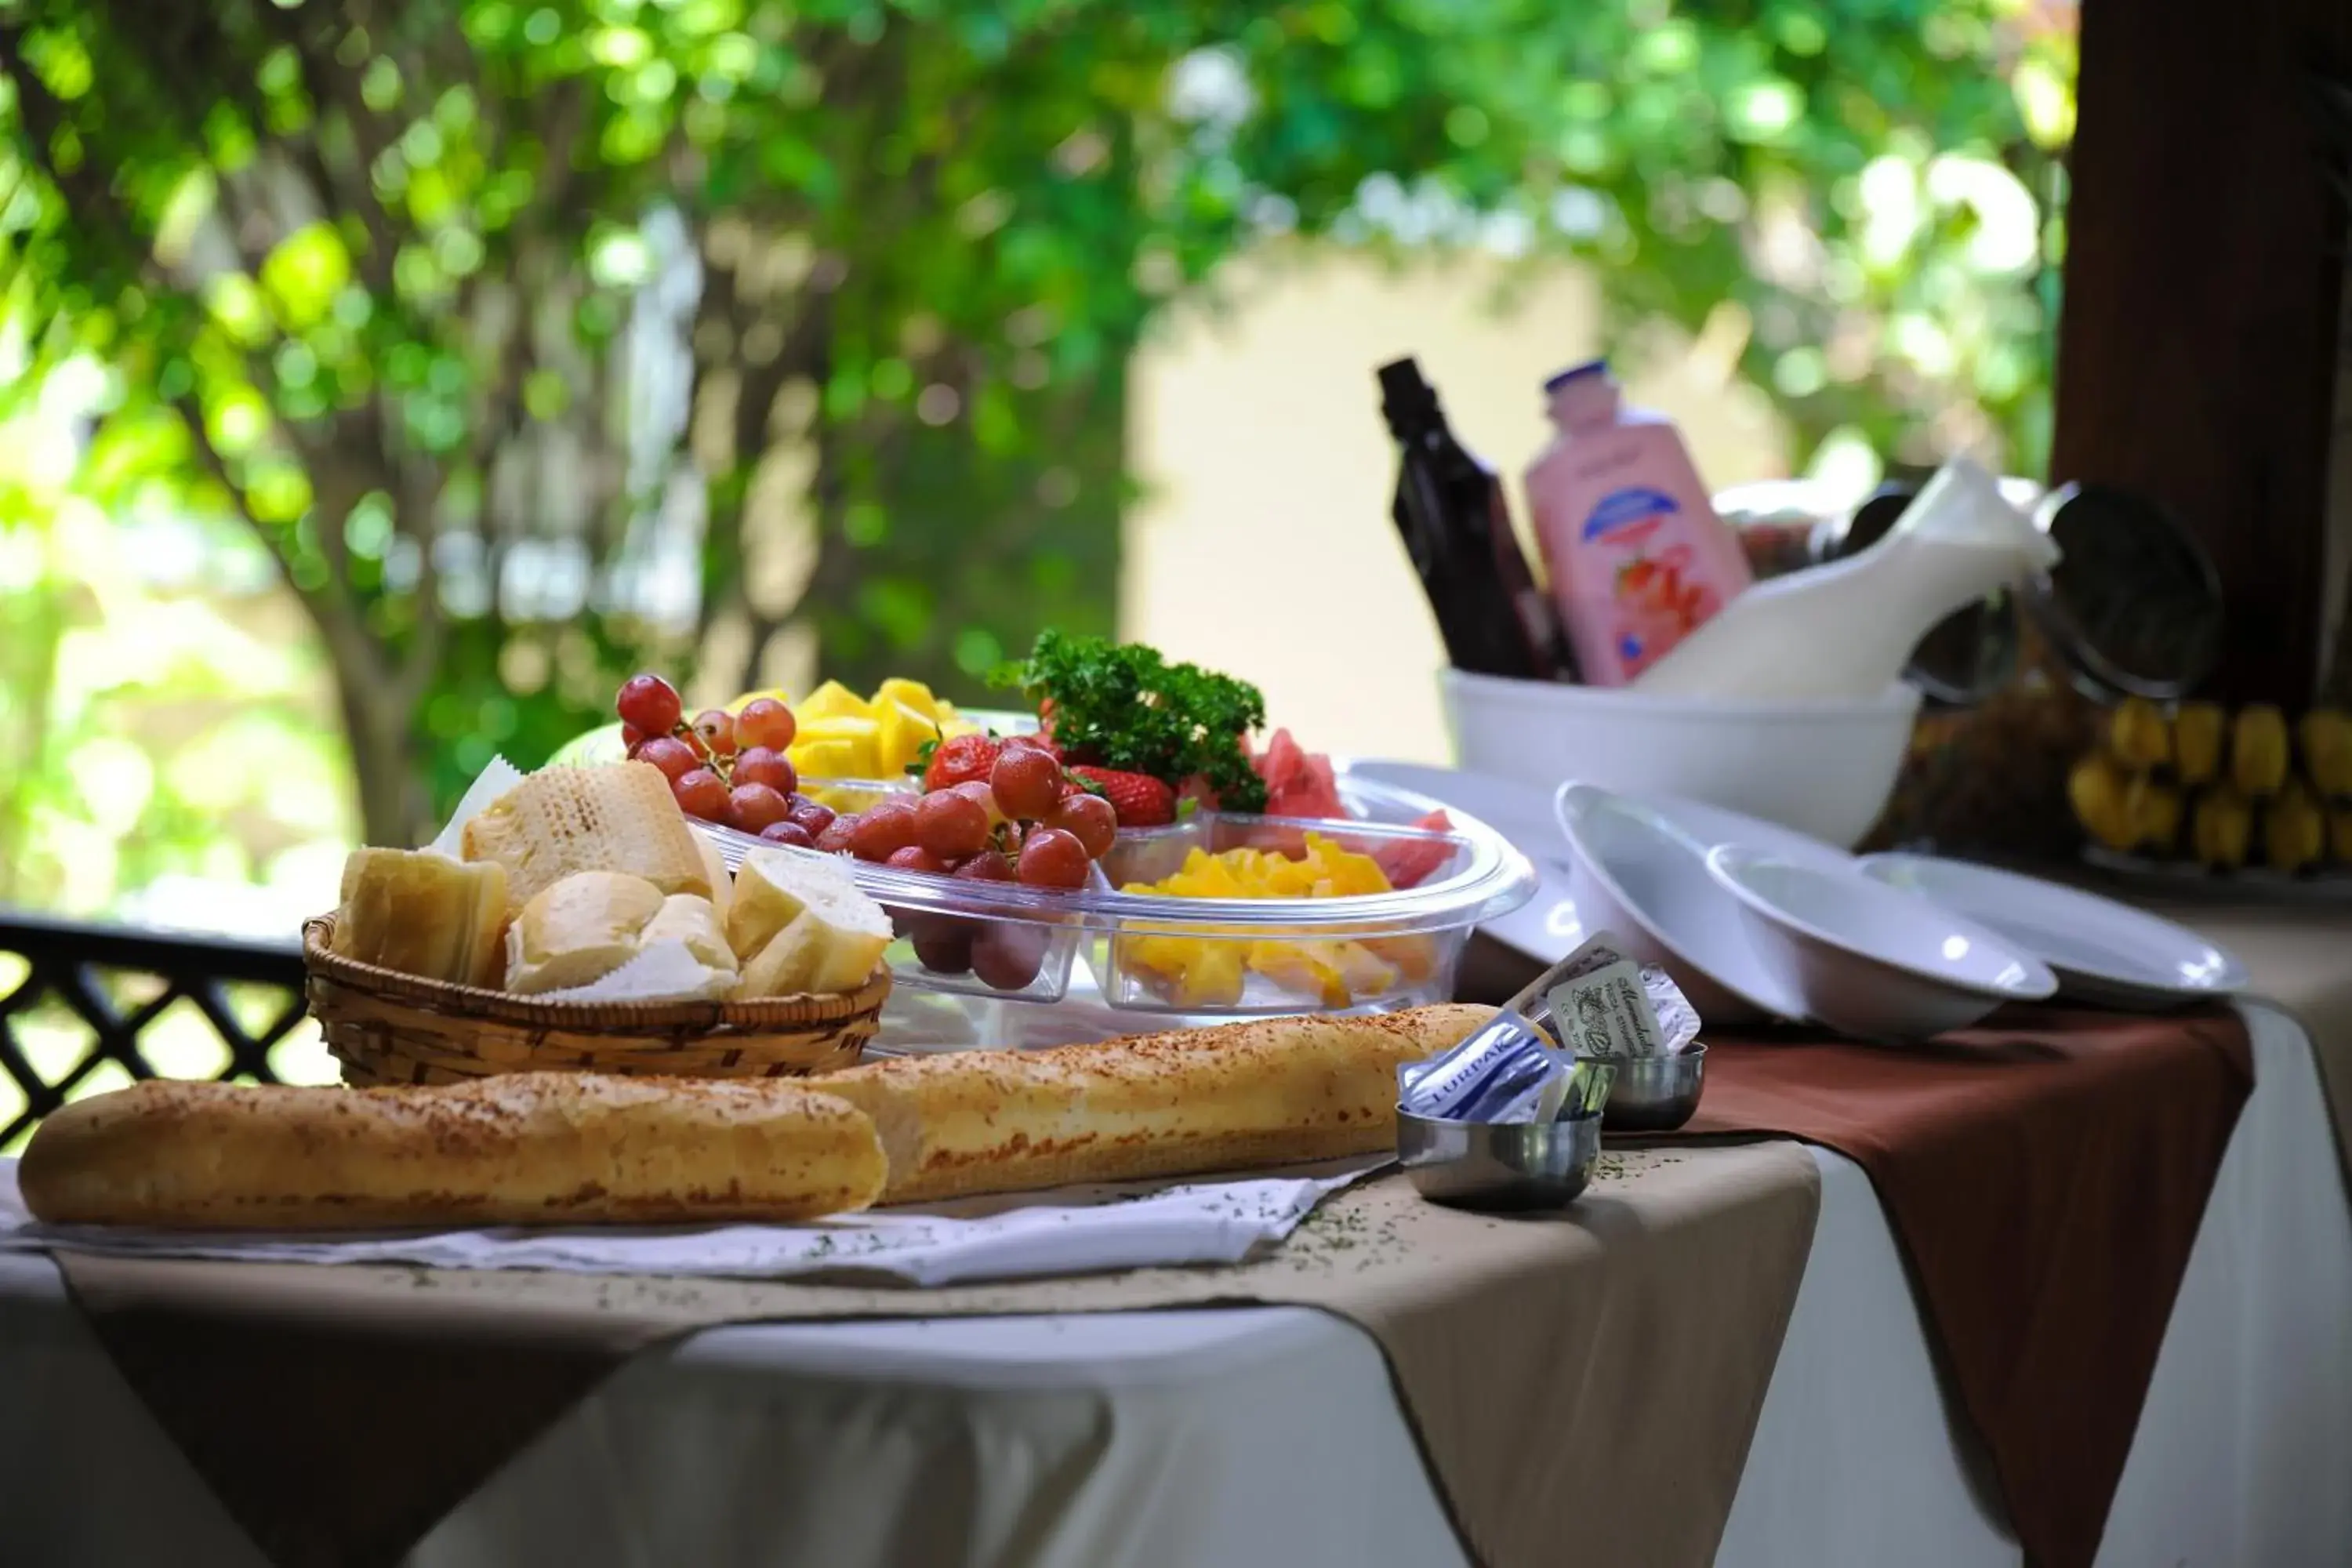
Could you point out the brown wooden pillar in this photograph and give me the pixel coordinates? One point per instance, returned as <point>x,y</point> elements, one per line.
<point>2198,344</point>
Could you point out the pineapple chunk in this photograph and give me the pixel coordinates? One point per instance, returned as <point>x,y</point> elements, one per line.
<point>823,759</point>
<point>778,692</point>
<point>899,732</point>
<point>830,700</point>
<point>912,695</point>
<point>860,739</point>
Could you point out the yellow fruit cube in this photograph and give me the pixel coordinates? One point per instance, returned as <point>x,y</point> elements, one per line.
<point>1362,970</point>
<point>1301,967</point>
<point>911,694</point>
<point>899,734</point>
<point>1215,977</point>
<point>827,759</point>
<point>1415,957</point>
<point>830,700</point>
<point>861,737</point>
<point>778,692</point>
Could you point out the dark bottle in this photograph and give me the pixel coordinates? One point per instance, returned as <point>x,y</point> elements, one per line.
<point>1450,512</point>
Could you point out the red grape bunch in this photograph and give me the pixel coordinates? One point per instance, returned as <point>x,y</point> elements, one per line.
<point>1021,820</point>
<point>725,768</point>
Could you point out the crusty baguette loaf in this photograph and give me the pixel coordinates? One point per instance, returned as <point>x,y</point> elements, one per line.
<point>527,1148</point>
<point>1264,1092</point>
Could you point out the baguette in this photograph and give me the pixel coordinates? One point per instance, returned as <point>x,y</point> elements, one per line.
<point>1266,1092</point>
<point>527,1148</point>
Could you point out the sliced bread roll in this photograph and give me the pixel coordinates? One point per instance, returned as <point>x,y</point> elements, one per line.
<point>415,912</point>
<point>714,868</point>
<point>799,925</point>
<point>525,1148</point>
<point>580,930</point>
<point>1266,1092</point>
<point>562,821</point>
<point>683,917</point>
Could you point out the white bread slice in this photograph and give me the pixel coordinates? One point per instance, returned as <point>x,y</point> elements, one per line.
<point>562,821</point>
<point>415,912</point>
<point>799,925</point>
<point>580,930</point>
<point>714,867</point>
<point>683,917</point>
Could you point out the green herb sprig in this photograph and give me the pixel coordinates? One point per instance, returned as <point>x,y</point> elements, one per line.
<point>1123,706</point>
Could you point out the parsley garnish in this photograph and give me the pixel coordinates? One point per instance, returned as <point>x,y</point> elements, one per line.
<point>1123,706</point>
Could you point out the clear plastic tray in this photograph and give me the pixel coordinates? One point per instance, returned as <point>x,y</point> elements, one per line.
<point>1208,957</point>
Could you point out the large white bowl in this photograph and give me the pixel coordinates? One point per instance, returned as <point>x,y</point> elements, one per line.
<point>1822,768</point>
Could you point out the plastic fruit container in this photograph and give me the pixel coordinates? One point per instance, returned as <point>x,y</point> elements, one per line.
<point>1208,958</point>
<point>1236,956</point>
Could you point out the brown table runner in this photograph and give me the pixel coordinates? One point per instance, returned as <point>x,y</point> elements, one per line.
<point>2045,1179</point>
<point>1593,1377</point>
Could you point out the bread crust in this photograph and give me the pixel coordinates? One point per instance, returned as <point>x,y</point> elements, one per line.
<point>522,1149</point>
<point>1263,1092</point>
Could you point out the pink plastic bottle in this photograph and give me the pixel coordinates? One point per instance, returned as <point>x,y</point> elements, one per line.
<point>1637,557</point>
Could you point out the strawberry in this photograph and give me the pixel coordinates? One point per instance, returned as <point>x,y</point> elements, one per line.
<point>1140,800</point>
<point>961,760</point>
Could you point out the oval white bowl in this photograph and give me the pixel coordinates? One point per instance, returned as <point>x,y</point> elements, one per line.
<point>1633,870</point>
<point>1869,960</point>
<point>1823,768</point>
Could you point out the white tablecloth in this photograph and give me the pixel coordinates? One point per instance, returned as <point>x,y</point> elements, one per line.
<point>1243,1436</point>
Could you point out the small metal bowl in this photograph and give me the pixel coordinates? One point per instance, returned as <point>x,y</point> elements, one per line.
<point>1499,1165</point>
<point>1655,1094</point>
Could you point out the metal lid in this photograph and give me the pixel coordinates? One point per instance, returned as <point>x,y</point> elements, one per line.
<point>2136,605</point>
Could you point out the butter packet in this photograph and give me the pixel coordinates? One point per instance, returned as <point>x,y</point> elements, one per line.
<point>1678,1019</point>
<point>1520,1065</point>
<point>1604,1009</point>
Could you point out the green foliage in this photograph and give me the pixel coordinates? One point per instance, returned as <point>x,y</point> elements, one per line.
<point>381,283</point>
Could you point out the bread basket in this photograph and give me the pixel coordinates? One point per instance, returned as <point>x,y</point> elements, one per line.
<point>390,1028</point>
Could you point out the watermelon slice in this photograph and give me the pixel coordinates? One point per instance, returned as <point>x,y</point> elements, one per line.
<point>1407,863</point>
<point>1298,783</point>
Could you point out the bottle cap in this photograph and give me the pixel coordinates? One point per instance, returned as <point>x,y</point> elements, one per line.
<point>1404,393</point>
<point>1575,372</point>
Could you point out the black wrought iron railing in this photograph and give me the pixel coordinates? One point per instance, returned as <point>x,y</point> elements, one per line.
<point>84,1004</point>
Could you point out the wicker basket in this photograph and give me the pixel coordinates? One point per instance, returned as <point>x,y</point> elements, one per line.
<point>388,1029</point>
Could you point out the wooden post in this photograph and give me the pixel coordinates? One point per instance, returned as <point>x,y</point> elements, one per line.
<point>2204,274</point>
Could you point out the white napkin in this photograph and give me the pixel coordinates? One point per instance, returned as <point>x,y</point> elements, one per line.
<point>492,781</point>
<point>1073,1230</point>
<point>663,971</point>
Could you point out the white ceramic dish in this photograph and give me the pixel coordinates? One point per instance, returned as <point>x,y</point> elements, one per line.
<point>2102,952</point>
<point>1870,960</point>
<point>1636,871</point>
<point>1823,768</point>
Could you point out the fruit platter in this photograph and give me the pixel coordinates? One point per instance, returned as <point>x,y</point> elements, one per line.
<point>1121,839</point>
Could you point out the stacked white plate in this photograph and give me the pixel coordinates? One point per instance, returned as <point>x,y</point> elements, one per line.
<point>1757,921</point>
